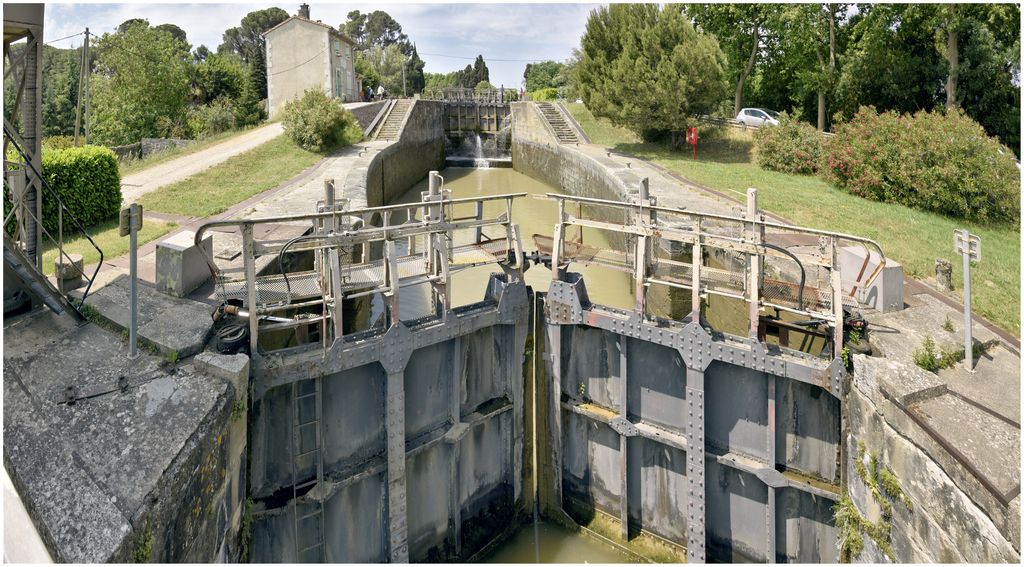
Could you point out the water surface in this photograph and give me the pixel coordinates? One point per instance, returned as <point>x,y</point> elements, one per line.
<point>546,542</point>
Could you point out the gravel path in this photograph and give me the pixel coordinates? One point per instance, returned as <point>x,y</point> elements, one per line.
<point>138,184</point>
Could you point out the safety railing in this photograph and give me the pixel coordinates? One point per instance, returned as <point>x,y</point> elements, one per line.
<point>359,253</point>
<point>765,264</point>
<point>16,222</point>
<point>462,94</point>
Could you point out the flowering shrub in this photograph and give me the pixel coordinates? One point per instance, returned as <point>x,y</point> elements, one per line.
<point>790,147</point>
<point>936,161</point>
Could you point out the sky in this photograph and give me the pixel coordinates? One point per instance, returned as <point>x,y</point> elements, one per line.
<point>447,36</point>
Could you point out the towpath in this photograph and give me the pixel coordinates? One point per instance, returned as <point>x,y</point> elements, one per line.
<point>138,184</point>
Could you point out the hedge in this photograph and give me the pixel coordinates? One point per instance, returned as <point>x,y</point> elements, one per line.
<point>88,182</point>
<point>940,161</point>
<point>790,147</point>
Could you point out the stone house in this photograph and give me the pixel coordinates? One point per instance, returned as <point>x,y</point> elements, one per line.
<point>303,54</point>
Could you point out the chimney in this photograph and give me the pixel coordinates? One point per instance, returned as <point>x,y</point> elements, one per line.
<point>304,11</point>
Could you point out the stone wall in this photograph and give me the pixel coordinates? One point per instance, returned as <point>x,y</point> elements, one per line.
<point>148,146</point>
<point>367,112</point>
<point>384,175</point>
<point>948,515</point>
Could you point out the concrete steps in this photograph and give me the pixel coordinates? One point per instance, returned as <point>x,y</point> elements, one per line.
<point>565,133</point>
<point>392,126</point>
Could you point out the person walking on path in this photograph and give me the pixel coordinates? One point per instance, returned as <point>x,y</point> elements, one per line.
<point>380,92</point>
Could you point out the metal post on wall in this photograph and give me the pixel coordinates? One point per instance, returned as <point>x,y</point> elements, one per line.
<point>130,222</point>
<point>969,245</point>
<point>754,265</point>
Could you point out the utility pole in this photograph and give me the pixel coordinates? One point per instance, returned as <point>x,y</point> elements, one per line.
<point>404,63</point>
<point>82,78</point>
<point>88,89</point>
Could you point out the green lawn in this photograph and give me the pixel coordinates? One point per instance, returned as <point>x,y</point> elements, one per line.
<point>131,166</point>
<point>912,237</point>
<point>106,237</point>
<point>233,181</point>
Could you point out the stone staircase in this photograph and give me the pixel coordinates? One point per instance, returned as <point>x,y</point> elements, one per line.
<point>391,128</point>
<point>565,133</point>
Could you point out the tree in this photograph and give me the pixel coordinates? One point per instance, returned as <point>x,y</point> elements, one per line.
<point>743,31</point>
<point>246,41</point>
<point>174,30</point>
<point>355,28</point>
<point>131,22</point>
<point>646,68</point>
<point>543,75</point>
<point>891,62</point>
<point>379,30</point>
<point>60,90</point>
<point>897,59</point>
<point>386,64</point>
<point>140,86</point>
<point>200,54</point>
<point>218,76</point>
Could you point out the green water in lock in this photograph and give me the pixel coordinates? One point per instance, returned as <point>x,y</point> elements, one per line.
<point>546,542</point>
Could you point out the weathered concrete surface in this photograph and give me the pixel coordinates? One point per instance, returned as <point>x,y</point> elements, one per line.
<point>22,543</point>
<point>181,265</point>
<point>954,517</point>
<point>149,473</point>
<point>995,381</point>
<point>177,327</point>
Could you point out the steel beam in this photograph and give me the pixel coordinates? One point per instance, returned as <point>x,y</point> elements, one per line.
<point>696,539</point>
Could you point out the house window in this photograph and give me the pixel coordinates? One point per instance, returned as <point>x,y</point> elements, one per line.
<point>337,48</point>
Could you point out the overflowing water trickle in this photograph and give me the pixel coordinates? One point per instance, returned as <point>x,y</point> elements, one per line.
<point>473,149</point>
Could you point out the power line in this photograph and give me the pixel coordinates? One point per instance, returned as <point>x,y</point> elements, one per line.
<point>300,64</point>
<point>485,58</point>
<point>63,38</point>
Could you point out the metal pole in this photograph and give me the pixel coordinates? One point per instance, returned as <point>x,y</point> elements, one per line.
<point>754,266</point>
<point>88,89</point>
<point>968,341</point>
<point>133,248</point>
<point>81,91</point>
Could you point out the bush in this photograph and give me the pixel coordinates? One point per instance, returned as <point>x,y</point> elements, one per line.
<point>938,161</point>
<point>213,118</point>
<point>790,147</point>
<point>316,122</point>
<point>58,142</point>
<point>550,93</point>
<point>88,182</point>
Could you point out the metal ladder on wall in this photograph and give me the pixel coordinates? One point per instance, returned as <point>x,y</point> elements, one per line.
<point>307,407</point>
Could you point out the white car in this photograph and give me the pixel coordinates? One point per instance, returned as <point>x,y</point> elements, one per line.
<point>758,117</point>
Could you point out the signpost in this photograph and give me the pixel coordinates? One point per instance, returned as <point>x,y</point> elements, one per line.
<point>970,246</point>
<point>129,224</point>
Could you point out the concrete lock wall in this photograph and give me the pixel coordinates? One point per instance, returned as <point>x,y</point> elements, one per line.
<point>399,166</point>
<point>447,396</point>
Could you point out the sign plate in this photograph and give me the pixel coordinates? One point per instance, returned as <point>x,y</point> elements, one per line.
<point>966,243</point>
<point>127,221</point>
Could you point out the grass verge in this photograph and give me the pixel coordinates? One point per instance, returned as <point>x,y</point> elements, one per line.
<point>131,166</point>
<point>107,238</point>
<point>912,237</point>
<point>233,181</point>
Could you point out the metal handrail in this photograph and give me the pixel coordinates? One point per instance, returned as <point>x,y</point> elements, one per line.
<point>864,242</point>
<point>13,138</point>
